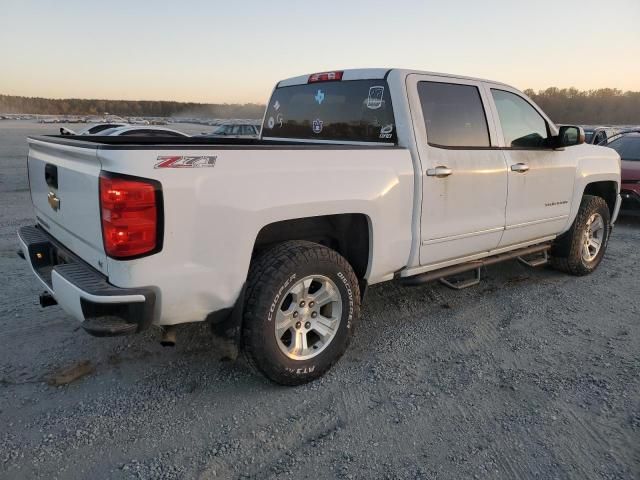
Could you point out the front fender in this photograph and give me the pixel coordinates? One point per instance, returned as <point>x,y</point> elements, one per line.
<point>594,164</point>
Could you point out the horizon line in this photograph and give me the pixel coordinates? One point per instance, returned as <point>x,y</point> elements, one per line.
<point>537,91</point>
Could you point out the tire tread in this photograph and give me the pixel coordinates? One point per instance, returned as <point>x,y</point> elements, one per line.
<point>274,264</point>
<point>566,251</point>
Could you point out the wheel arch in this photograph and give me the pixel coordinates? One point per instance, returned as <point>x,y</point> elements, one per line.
<point>606,189</point>
<point>350,234</point>
<point>603,185</point>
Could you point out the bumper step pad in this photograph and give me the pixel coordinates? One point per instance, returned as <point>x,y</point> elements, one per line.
<point>108,327</point>
<point>104,315</point>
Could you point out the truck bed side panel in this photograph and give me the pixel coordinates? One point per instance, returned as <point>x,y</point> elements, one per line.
<point>214,214</point>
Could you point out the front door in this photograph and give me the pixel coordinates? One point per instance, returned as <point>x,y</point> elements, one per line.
<point>464,179</point>
<point>540,179</point>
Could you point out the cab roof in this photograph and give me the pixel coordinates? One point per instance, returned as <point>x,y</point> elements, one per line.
<point>377,73</point>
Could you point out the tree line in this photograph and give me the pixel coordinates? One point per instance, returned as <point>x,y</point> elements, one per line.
<point>563,105</point>
<point>136,108</point>
<point>604,106</point>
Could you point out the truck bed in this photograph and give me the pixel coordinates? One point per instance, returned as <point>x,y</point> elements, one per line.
<point>210,218</point>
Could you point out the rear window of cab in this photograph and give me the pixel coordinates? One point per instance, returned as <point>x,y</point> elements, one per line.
<point>337,111</point>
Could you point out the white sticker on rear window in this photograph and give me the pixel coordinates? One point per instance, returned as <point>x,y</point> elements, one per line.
<point>374,101</point>
<point>317,125</point>
<point>386,132</point>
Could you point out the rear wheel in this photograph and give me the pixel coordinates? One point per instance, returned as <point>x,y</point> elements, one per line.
<point>302,302</point>
<point>580,250</point>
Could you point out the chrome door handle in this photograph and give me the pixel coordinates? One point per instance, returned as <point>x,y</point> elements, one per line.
<point>520,168</point>
<point>439,172</point>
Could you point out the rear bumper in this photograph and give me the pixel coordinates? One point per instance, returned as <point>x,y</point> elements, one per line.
<point>84,293</point>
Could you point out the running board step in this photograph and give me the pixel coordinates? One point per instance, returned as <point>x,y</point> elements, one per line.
<point>535,260</point>
<point>451,282</point>
<point>444,273</point>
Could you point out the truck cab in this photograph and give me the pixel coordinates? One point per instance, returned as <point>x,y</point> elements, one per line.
<point>488,172</point>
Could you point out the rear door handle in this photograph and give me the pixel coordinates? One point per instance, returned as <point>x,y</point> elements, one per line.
<point>520,168</point>
<point>439,172</point>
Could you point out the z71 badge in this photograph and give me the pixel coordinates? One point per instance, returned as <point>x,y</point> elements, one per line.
<point>186,162</point>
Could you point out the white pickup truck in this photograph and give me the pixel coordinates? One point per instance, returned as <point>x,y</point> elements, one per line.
<point>359,177</point>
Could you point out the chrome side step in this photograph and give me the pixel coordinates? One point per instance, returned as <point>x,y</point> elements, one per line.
<point>536,260</point>
<point>443,273</point>
<point>461,284</point>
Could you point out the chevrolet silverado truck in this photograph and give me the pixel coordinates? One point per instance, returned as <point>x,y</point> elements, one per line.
<point>359,177</point>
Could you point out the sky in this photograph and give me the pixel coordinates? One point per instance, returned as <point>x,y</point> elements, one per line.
<point>235,50</point>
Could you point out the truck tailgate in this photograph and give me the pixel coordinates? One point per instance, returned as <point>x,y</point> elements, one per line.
<point>64,183</point>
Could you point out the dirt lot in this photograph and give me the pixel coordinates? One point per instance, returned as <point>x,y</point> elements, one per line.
<point>532,374</point>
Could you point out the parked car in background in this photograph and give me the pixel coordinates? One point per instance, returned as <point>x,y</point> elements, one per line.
<point>142,131</point>
<point>92,130</point>
<point>139,121</point>
<point>230,130</point>
<point>628,147</point>
<point>599,135</point>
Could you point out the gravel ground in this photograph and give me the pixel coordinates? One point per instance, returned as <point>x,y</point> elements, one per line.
<point>531,374</point>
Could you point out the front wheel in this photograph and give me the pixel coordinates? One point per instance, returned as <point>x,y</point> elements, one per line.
<point>580,250</point>
<point>301,306</point>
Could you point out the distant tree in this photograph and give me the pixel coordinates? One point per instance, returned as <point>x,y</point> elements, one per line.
<point>74,106</point>
<point>600,106</point>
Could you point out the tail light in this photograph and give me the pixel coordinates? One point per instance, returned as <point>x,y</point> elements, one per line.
<point>131,214</point>
<point>325,77</point>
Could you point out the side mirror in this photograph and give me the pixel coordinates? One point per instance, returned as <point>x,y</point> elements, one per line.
<point>568,136</point>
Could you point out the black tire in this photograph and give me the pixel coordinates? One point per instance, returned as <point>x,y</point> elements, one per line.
<point>270,277</point>
<point>566,252</point>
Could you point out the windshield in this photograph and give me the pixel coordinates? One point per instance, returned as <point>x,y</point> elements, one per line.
<point>349,111</point>
<point>588,135</point>
<point>628,147</point>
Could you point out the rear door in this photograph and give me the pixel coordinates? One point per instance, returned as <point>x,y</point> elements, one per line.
<point>64,183</point>
<point>540,179</point>
<point>464,178</point>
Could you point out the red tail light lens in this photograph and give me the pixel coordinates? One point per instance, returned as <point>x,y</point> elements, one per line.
<point>325,77</point>
<point>130,215</point>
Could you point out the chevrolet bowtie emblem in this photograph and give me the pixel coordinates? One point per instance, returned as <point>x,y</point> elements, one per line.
<point>54,201</point>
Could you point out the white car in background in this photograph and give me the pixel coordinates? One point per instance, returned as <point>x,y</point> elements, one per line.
<point>230,130</point>
<point>93,129</point>
<point>141,131</point>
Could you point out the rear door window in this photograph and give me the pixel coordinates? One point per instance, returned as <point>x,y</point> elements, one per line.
<point>339,111</point>
<point>453,115</point>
